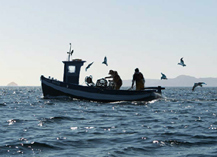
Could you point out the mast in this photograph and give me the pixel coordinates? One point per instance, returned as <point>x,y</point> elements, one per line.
<point>70,52</point>
<point>72,69</point>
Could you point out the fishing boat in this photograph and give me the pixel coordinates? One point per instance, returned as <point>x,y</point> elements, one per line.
<point>102,90</point>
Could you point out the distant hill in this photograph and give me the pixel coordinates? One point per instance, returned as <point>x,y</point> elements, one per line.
<point>180,81</point>
<point>12,84</point>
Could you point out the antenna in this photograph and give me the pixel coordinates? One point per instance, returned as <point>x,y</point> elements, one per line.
<point>70,52</point>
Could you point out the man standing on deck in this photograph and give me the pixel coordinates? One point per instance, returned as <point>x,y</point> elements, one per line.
<point>140,81</point>
<point>116,79</point>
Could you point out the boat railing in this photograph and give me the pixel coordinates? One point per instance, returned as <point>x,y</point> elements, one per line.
<point>158,88</point>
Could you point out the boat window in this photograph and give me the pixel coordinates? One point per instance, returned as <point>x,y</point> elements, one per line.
<point>71,69</point>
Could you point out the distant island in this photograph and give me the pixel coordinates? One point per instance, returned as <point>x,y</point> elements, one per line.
<point>179,81</point>
<point>12,84</point>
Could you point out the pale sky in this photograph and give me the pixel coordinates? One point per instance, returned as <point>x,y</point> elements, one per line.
<point>151,35</point>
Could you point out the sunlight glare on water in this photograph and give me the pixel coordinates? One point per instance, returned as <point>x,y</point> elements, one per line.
<point>182,123</point>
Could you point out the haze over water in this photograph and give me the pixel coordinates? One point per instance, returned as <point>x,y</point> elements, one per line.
<point>183,123</point>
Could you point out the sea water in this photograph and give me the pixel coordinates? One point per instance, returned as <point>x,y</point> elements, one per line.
<point>182,123</point>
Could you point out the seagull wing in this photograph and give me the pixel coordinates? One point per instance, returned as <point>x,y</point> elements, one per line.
<point>163,76</point>
<point>71,52</point>
<point>182,61</point>
<point>105,61</point>
<point>201,83</point>
<point>88,66</point>
<point>195,85</point>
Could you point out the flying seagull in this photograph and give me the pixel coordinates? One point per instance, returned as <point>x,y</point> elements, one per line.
<point>88,66</point>
<point>182,62</point>
<point>198,84</point>
<point>163,76</point>
<point>105,61</point>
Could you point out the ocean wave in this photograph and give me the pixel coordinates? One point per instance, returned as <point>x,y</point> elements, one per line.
<point>2,104</point>
<point>178,125</point>
<point>17,121</point>
<point>55,119</point>
<point>27,148</point>
<point>185,143</point>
